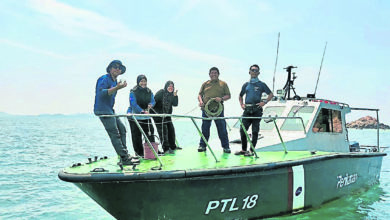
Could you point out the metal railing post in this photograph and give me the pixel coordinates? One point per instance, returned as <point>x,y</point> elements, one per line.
<point>204,139</point>
<point>280,136</point>
<point>247,137</point>
<point>147,140</point>
<point>377,130</point>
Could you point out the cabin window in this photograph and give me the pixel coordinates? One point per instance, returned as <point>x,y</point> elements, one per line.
<point>273,111</point>
<point>328,121</point>
<point>305,112</point>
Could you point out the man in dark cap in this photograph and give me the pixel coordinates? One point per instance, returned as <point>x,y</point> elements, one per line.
<point>106,89</point>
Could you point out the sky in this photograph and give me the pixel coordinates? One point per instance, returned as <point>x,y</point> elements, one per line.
<point>52,51</point>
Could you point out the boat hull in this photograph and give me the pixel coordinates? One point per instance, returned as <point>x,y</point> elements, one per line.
<point>244,192</point>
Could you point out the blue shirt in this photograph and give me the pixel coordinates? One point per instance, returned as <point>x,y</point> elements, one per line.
<point>254,91</point>
<point>134,108</point>
<point>104,103</point>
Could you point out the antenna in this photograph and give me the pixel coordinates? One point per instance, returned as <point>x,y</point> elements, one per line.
<point>276,62</point>
<point>319,72</point>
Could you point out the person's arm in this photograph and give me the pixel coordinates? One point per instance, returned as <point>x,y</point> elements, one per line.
<point>201,104</point>
<point>102,87</point>
<point>118,86</point>
<point>200,96</point>
<point>134,105</point>
<point>152,101</point>
<point>226,95</point>
<point>270,95</point>
<point>240,96</point>
<point>240,99</point>
<point>175,100</point>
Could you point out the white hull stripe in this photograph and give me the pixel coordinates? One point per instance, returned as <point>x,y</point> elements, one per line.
<point>298,187</point>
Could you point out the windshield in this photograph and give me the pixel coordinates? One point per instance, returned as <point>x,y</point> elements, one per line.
<point>305,112</point>
<point>271,111</point>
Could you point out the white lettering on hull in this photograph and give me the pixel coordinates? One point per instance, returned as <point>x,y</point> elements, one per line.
<point>346,180</point>
<point>248,203</point>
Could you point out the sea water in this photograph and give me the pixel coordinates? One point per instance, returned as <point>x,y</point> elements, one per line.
<point>33,149</point>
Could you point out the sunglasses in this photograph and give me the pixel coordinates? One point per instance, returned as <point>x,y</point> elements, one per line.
<point>116,66</point>
<point>255,70</point>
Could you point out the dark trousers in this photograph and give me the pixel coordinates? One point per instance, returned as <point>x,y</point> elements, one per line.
<point>221,128</point>
<point>255,127</point>
<point>166,131</point>
<point>136,135</point>
<point>117,133</point>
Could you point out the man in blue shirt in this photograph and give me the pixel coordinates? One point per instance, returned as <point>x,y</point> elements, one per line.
<point>106,89</point>
<point>253,107</point>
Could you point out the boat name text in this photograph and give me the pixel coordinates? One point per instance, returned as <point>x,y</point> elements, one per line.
<point>346,180</point>
<point>223,204</point>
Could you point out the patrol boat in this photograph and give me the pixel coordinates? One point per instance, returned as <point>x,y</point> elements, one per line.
<point>304,159</point>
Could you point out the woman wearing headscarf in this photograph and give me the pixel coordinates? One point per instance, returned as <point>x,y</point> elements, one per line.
<point>141,101</point>
<point>165,99</point>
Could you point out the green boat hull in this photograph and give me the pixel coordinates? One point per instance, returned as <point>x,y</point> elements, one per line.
<point>237,192</point>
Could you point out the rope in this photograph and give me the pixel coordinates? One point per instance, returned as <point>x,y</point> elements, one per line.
<point>213,111</point>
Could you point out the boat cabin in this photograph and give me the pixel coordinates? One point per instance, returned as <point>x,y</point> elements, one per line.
<point>318,125</point>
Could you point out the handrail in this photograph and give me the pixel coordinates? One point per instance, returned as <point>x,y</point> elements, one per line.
<point>197,117</point>
<point>377,121</point>
<point>133,116</point>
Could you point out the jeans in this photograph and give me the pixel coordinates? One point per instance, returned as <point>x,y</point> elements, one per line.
<point>255,127</point>
<point>117,133</point>
<point>136,135</point>
<point>221,128</point>
<point>166,131</point>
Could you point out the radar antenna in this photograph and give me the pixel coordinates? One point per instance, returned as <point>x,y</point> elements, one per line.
<point>290,84</point>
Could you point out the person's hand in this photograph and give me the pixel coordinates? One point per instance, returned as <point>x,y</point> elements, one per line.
<point>260,104</point>
<point>121,84</point>
<point>218,99</point>
<point>175,93</point>
<point>243,106</point>
<point>201,104</point>
<point>149,106</point>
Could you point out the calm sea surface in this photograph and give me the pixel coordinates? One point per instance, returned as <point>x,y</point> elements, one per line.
<point>34,149</point>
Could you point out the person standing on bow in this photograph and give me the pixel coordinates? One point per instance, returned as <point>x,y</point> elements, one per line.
<point>106,89</point>
<point>165,99</point>
<point>253,107</point>
<point>219,91</point>
<point>141,101</point>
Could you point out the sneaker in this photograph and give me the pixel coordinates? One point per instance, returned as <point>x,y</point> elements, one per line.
<point>127,161</point>
<point>227,150</point>
<point>169,151</point>
<point>249,154</point>
<point>241,152</point>
<point>201,149</point>
<point>134,157</point>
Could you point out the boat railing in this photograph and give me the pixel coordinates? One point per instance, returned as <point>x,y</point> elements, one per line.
<point>267,119</point>
<point>377,122</point>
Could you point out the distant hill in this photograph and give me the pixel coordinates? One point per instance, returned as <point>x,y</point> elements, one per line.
<point>366,122</point>
<point>3,114</point>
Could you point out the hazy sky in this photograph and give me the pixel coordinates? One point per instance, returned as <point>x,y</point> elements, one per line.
<point>52,52</point>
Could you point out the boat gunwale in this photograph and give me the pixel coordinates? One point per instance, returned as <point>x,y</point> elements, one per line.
<point>184,174</point>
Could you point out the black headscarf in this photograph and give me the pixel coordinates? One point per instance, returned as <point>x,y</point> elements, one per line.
<point>167,97</point>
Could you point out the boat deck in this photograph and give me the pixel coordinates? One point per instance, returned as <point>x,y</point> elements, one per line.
<point>189,159</point>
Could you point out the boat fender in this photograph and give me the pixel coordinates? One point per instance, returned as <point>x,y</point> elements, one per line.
<point>89,160</point>
<point>96,157</point>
